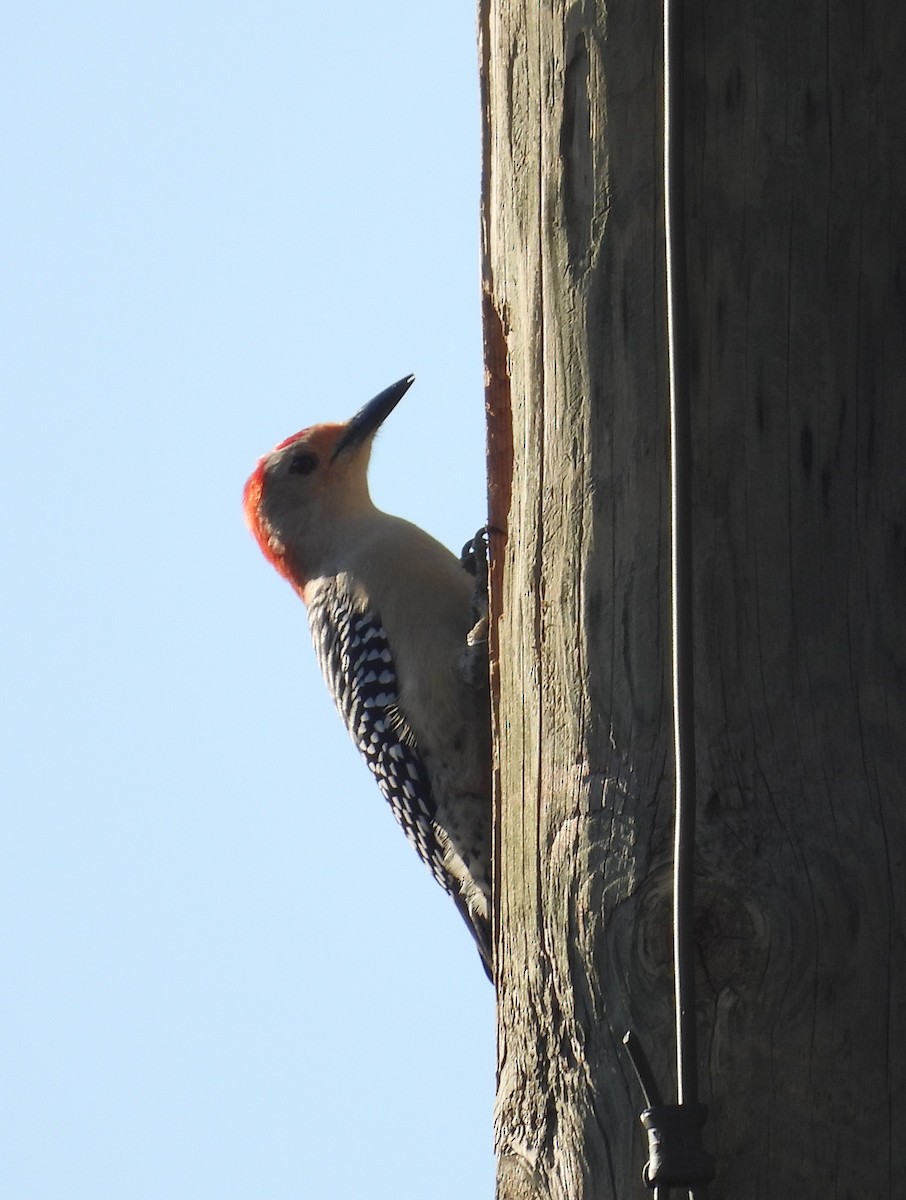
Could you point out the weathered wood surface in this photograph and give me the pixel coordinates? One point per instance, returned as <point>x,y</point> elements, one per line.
<point>796,186</point>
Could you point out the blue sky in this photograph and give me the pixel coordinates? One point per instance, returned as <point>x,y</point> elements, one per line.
<point>225,973</point>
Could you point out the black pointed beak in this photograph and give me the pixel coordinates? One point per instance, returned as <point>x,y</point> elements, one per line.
<point>368,419</point>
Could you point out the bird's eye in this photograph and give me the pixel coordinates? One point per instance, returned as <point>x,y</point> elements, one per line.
<point>303,463</point>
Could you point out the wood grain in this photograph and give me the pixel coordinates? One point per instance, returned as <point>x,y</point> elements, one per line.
<point>796,192</point>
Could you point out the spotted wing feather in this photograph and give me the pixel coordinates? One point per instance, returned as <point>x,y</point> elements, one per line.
<point>357,664</point>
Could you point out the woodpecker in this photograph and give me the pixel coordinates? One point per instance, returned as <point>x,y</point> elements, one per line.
<point>400,635</point>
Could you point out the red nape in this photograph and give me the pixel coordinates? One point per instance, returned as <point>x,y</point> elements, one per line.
<point>271,548</point>
<point>322,439</point>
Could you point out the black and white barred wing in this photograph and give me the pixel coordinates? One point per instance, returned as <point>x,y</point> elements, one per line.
<point>357,664</point>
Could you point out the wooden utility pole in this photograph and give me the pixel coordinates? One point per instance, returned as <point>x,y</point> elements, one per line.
<point>796,197</point>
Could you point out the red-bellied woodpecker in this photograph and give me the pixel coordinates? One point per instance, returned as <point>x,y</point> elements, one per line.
<point>399,641</point>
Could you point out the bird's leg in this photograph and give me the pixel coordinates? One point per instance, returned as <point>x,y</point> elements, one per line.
<point>474,559</point>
